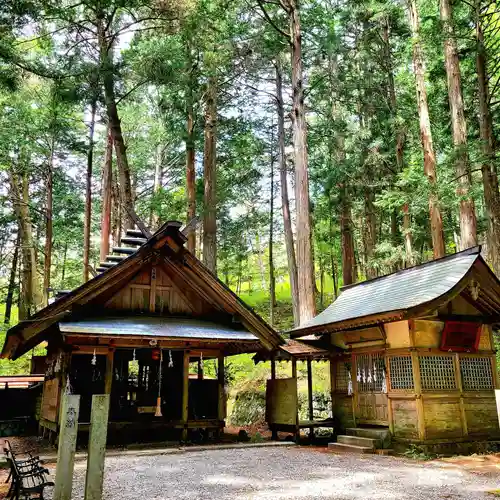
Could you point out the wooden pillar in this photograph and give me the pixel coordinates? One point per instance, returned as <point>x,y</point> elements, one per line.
<point>185,395</point>
<point>294,375</point>
<point>418,394</point>
<point>66,447</point>
<point>333,375</point>
<point>274,432</point>
<point>458,378</point>
<point>354,380</point>
<point>97,446</point>
<point>221,384</point>
<point>200,370</point>
<point>310,397</point>
<point>108,377</point>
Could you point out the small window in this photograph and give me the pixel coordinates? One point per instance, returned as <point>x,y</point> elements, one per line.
<point>477,374</point>
<point>401,373</point>
<point>437,373</point>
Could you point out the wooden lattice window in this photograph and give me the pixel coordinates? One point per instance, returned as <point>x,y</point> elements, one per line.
<point>342,377</point>
<point>401,373</point>
<point>437,373</point>
<point>370,372</point>
<point>477,374</point>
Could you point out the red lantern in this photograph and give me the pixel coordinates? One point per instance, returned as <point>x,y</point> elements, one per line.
<point>155,354</point>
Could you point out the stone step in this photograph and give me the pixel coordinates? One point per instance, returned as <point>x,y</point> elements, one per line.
<point>383,435</point>
<point>360,441</point>
<point>349,448</point>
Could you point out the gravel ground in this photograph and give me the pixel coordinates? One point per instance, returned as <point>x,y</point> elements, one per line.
<point>284,473</point>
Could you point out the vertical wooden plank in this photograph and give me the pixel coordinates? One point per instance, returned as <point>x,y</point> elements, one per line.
<point>152,290</point>
<point>390,415</point>
<point>185,394</point>
<point>418,394</point>
<point>66,447</point>
<point>108,377</point>
<point>97,446</point>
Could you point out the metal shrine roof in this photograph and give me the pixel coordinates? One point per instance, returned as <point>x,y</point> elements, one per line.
<point>399,291</point>
<point>152,326</point>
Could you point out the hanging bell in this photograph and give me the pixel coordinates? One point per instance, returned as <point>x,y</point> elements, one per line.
<point>155,354</point>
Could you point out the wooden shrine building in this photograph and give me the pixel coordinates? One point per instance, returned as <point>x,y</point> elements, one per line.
<point>133,331</point>
<point>417,353</point>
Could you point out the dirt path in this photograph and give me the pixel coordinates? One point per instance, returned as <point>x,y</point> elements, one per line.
<point>286,473</point>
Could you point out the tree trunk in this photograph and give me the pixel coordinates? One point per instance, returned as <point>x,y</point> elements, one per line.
<point>116,212</point>
<point>116,129</point>
<point>370,232</point>
<point>190,160</point>
<point>489,174</point>
<point>47,266</point>
<point>12,280</point>
<point>63,271</point>
<point>407,235</point>
<point>88,196</point>
<point>107,196</point>
<point>426,134</point>
<point>210,179</point>
<point>272,279</point>
<point>307,306</point>
<point>157,185</point>
<point>468,236</point>
<point>347,240</point>
<point>285,204</point>
<point>29,296</point>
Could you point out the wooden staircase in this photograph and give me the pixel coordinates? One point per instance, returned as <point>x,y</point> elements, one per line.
<point>362,440</point>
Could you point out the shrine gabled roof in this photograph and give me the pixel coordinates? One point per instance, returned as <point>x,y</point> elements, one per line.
<point>167,243</point>
<point>401,294</point>
<point>156,326</point>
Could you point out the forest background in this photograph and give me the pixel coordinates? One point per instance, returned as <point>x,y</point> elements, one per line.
<point>320,143</point>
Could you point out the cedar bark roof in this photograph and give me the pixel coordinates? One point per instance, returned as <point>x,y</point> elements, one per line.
<point>409,293</point>
<point>166,244</point>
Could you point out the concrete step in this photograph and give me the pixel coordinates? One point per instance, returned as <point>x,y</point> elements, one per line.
<point>349,448</point>
<point>382,435</point>
<point>360,441</point>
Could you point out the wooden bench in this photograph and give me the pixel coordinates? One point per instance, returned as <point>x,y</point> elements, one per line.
<point>29,477</point>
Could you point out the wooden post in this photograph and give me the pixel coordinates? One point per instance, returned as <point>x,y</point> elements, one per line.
<point>354,380</point>
<point>458,378</point>
<point>333,384</point>
<point>185,395</point>
<point>274,432</point>
<point>66,447</point>
<point>221,383</point>
<point>200,370</point>
<point>418,395</point>
<point>108,377</point>
<point>294,375</point>
<point>310,397</point>
<point>97,446</point>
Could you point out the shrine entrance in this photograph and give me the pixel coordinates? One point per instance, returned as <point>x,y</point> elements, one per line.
<point>370,389</point>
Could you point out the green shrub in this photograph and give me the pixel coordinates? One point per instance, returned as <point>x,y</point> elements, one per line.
<point>249,408</point>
